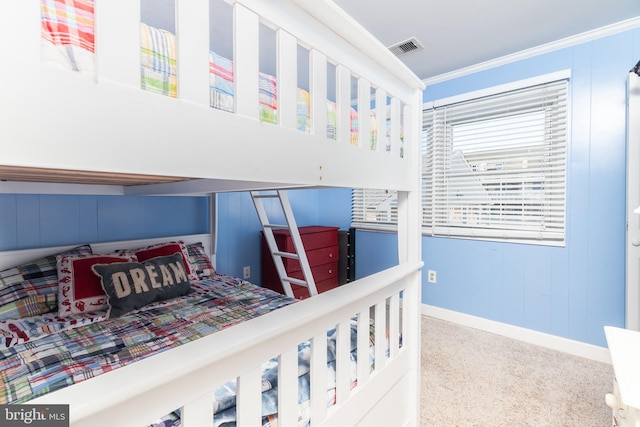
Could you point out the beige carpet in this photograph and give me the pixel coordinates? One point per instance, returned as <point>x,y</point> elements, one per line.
<point>476,378</point>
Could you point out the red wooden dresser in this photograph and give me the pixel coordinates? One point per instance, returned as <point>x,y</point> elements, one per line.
<point>321,246</point>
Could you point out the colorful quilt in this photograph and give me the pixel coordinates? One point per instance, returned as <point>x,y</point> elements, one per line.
<point>268,99</point>
<point>303,110</point>
<point>221,82</point>
<point>67,33</point>
<point>45,353</point>
<point>158,61</point>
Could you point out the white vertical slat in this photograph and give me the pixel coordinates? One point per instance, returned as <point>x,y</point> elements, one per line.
<point>198,412</point>
<point>318,375</point>
<point>117,35</point>
<point>412,140</point>
<point>288,388</point>
<point>381,338</point>
<point>213,228</point>
<point>363,366</point>
<point>249,398</point>
<point>396,105</point>
<point>20,32</point>
<point>394,326</point>
<point>403,226</point>
<point>193,50</point>
<point>343,104</point>
<point>318,91</point>
<point>381,119</point>
<point>364,111</point>
<point>287,78</point>
<point>409,203</point>
<point>246,33</point>
<point>404,313</point>
<point>343,361</point>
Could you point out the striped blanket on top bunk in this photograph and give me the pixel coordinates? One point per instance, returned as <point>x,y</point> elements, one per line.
<point>158,61</point>
<point>67,33</point>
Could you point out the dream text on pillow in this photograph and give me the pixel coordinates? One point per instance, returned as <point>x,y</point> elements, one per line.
<point>157,276</point>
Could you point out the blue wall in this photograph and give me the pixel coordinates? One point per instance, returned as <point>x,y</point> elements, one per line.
<point>33,221</point>
<point>572,291</point>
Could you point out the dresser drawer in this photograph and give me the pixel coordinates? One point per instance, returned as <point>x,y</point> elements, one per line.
<point>315,257</point>
<point>300,292</point>
<point>313,237</point>
<point>320,272</point>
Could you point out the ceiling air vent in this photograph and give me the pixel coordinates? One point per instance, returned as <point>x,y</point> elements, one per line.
<point>406,46</point>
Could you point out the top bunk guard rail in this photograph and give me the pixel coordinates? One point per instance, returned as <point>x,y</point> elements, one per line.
<point>56,119</point>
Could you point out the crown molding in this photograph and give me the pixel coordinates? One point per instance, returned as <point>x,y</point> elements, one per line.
<point>587,36</point>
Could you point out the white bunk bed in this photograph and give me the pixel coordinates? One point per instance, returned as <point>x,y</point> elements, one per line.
<point>67,132</point>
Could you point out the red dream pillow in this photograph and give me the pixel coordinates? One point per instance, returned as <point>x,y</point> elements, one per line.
<point>79,289</point>
<point>166,249</point>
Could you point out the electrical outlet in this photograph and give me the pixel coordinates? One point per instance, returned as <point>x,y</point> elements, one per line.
<point>431,276</point>
<point>246,272</point>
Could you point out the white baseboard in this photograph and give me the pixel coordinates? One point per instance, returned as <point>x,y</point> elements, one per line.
<point>565,345</point>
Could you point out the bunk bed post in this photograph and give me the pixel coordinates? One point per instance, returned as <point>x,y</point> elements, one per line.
<point>409,246</point>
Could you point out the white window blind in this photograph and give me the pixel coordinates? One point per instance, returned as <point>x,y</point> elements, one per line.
<point>495,167</point>
<point>374,209</point>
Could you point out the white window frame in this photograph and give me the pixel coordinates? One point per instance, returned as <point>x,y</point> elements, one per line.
<point>466,224</point>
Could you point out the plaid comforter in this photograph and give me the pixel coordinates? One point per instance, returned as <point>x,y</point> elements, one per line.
<point>67,29</point>
<point>45,353</point>
<point>158,61</point>
<point>221,82</point>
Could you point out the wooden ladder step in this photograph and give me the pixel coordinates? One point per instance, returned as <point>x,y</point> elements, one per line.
<point>277,226</point>
<point>290,255</point>
<point>296,281</point>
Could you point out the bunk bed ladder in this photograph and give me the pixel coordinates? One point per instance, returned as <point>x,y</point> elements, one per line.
<point>278,255</point>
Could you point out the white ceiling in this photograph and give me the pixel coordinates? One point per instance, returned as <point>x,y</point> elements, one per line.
<point>460,33</point>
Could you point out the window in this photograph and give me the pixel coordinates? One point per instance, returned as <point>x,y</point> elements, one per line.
<point>374,209</point>
<point>494,167</point>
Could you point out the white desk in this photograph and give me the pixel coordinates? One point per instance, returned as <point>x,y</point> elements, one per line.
<point>624,346</point>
